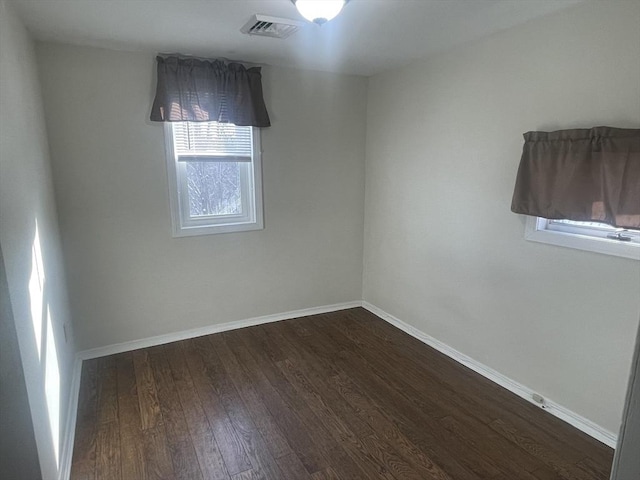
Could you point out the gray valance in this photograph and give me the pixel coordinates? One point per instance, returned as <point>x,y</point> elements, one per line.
<point>582,175</point>
<point>200,90</point>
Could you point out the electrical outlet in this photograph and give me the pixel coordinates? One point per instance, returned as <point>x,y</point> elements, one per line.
<point>539,399</point>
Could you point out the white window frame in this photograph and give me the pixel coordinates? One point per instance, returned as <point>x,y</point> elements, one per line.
<point>538,230</point>
<point>251,181</point>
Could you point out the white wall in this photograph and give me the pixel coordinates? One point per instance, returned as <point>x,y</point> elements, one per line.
<point>444,253</point>
<point>28,224</point>
<point>128,277</point>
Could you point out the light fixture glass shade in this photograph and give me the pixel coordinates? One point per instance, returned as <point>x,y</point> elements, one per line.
<point>319,11</point>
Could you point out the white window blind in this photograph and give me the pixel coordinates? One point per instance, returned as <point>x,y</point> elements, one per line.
<point>212,142</point>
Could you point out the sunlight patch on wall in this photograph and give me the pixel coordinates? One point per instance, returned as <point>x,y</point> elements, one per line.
<point>36,291</point>
<point>52,386</point>
<point>44,337</point>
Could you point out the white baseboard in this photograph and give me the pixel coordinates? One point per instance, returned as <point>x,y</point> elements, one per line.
<point>70,426</point>
<point>572,418</point>
<point>209,329</point>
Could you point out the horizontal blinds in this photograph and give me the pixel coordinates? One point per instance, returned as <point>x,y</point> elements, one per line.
<point>211,142</point>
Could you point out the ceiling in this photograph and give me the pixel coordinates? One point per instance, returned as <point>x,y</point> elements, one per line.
<point>369,36</point>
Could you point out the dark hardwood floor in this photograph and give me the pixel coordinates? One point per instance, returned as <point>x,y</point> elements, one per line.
<point>336,396</point>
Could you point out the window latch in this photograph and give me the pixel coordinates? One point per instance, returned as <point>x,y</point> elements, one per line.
<point>618,236</point>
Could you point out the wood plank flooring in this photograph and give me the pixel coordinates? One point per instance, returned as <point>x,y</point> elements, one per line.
<point>336,396</point>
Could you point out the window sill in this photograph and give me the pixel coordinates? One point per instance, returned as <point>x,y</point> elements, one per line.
<point>215,229</point>
<point>535,232</point>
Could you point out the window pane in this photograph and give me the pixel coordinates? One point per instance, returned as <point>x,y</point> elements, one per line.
<point>600,225</point>
<point>593,230</point>
<point>214,188</point>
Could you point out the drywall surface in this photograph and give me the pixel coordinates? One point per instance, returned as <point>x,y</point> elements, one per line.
<point>30,244</point>
<point>128,278</point>
<point>444,253</point>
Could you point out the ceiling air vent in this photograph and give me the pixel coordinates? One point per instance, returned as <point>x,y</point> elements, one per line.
<point>266,26</point>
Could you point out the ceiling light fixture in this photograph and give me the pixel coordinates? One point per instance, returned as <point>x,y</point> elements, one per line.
<point>319,11</point>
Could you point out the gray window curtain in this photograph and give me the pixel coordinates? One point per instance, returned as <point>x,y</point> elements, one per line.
<point>582,175</point>
<point>201,90</point>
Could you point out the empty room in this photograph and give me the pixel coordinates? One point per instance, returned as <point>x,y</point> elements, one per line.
<point>320,239</point>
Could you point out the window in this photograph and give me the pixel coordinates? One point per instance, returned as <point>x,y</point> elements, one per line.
<point>215,182</point>
<point>591,236</point>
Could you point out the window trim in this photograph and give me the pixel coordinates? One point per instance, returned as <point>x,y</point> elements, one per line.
<point>536,231</point>
<point>186,227</point>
